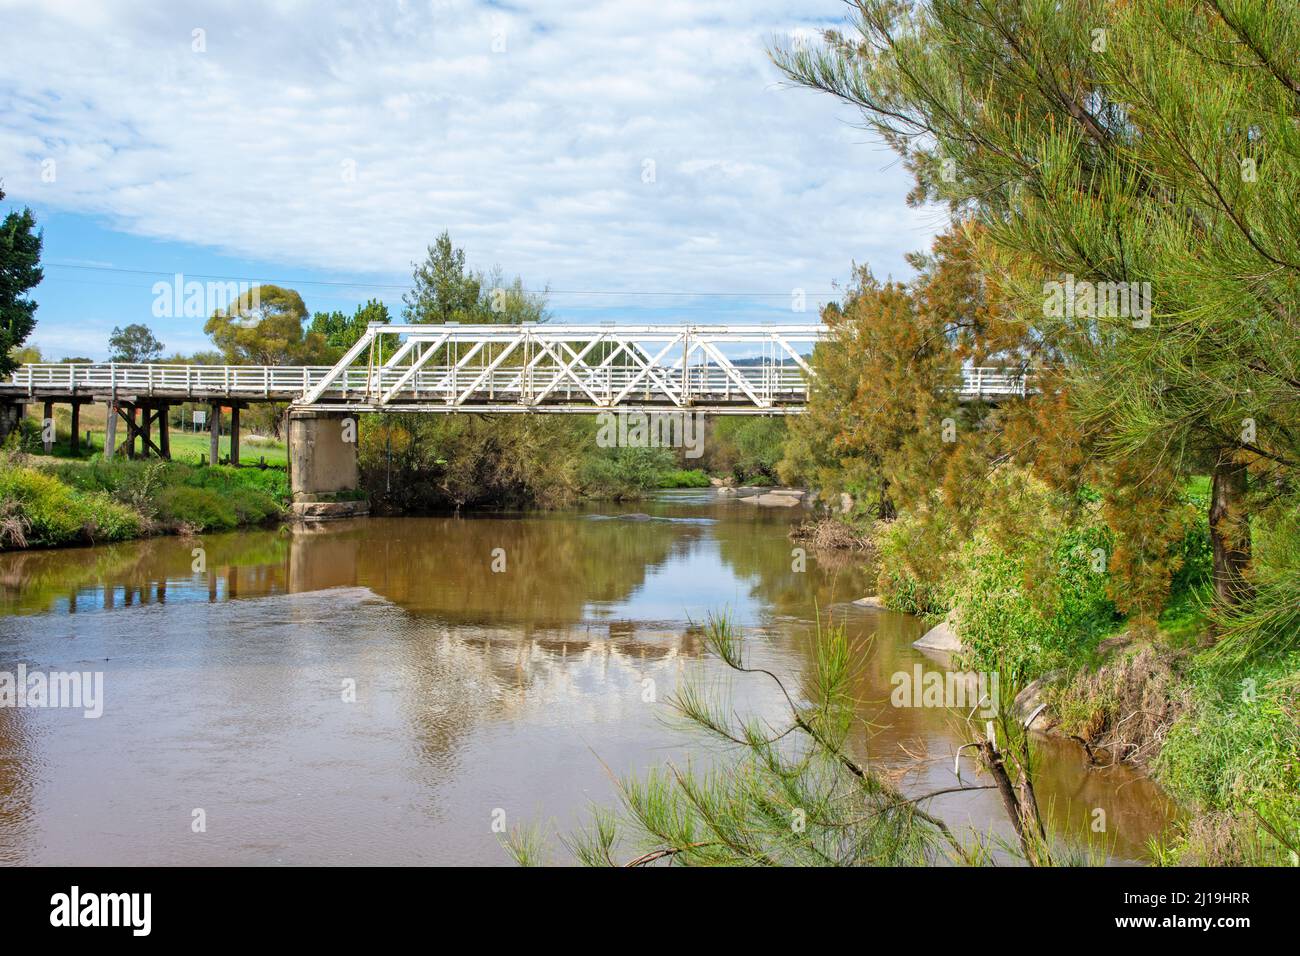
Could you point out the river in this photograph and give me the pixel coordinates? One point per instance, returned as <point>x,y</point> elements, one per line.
<point>383,690</point>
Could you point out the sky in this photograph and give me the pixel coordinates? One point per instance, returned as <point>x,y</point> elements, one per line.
<point>643,161</point>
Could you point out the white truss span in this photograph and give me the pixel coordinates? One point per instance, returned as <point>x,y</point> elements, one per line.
<point>738,369</point>
<point>576,368</point>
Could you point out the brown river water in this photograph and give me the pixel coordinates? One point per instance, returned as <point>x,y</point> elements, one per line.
<point>481,695</point>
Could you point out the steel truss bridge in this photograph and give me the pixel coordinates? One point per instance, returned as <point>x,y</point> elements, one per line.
<point>716,369</point>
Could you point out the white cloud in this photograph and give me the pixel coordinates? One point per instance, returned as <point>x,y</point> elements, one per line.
<point>532,157</point>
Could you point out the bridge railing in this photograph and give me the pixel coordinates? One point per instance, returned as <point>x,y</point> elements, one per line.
<point>993,382</point>
<point>154,377</point>
<point>430,380</point>
<point>778,383</point>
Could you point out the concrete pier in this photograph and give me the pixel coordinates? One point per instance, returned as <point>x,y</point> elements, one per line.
<point>323,466</point>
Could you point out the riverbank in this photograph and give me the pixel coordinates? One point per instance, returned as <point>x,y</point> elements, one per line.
<point>46,502</point>
<point>1223,741</point>
<point>1220,733</point>
<point>58,500</point>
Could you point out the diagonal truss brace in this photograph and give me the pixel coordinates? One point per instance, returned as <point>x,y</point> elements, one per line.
<point>683,366</point>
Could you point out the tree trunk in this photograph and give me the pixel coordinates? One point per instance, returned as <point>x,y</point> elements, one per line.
<point>885,505</point>
<point>1229,530</point>
<point>1021,808</point>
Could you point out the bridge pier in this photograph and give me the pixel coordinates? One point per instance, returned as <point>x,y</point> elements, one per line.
<point>139,418</point>
<point>75,437</point>
<point>11,413</point>
<point>234,435</point>
<point>47,427</point>
<point>110,431</point>
<point>323,470</point>
<point>214,433</point>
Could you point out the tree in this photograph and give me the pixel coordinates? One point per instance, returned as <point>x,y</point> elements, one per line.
<point>135,343</point>
<point>265,327</point>
<point>445,290</point>
<point>1140,159</point>
<point>884,424</point>
<point>20,255</point>
<point>341,331</point>
<point>471,460</point>
<point>506,302</point>
<point>874,383</point>
<point>748,447</point>
<point>27,355</point>
<point>883,421</point>
<point>203,357</point>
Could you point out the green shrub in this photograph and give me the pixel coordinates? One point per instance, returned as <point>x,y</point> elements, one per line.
<point>1197,554</point>
<point>747,447</point>
<point>900,591</point>
<point>38,510</point>
<point>109,520</point>
<point>41,510</point>
<point>176,493</point>
<point>111,500</point>
<point>685,478</point>
<point>911,575</point>
<point>1028,615</point>
<point>1268,626</point>
<point>998,623</point>
<point>272,482</point>
<point>1027,584</point>
<point>625,472</point>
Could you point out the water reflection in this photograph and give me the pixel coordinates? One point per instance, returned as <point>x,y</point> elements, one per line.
<point>475,689</point>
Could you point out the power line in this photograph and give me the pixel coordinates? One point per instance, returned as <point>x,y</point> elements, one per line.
<point>406,288</point>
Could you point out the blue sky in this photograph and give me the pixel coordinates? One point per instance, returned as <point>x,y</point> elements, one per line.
<point>636,150</point>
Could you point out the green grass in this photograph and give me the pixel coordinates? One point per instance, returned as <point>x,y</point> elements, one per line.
<point>188,446</point>
<point>1236,756</point>
<point>1183,621</point>
<point>185,446</point>
<point>46,503</point>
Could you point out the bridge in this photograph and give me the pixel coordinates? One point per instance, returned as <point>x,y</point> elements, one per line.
<point>512,369</point>
<point>500,369</point>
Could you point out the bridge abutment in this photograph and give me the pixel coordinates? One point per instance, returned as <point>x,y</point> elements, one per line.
<point>324,475</point>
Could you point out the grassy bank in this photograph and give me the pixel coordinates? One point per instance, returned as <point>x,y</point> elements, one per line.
<point>47,503</point>
<point>1210,708</point>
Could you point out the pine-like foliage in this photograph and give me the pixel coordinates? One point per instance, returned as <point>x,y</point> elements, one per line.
<point>1109,149</point>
